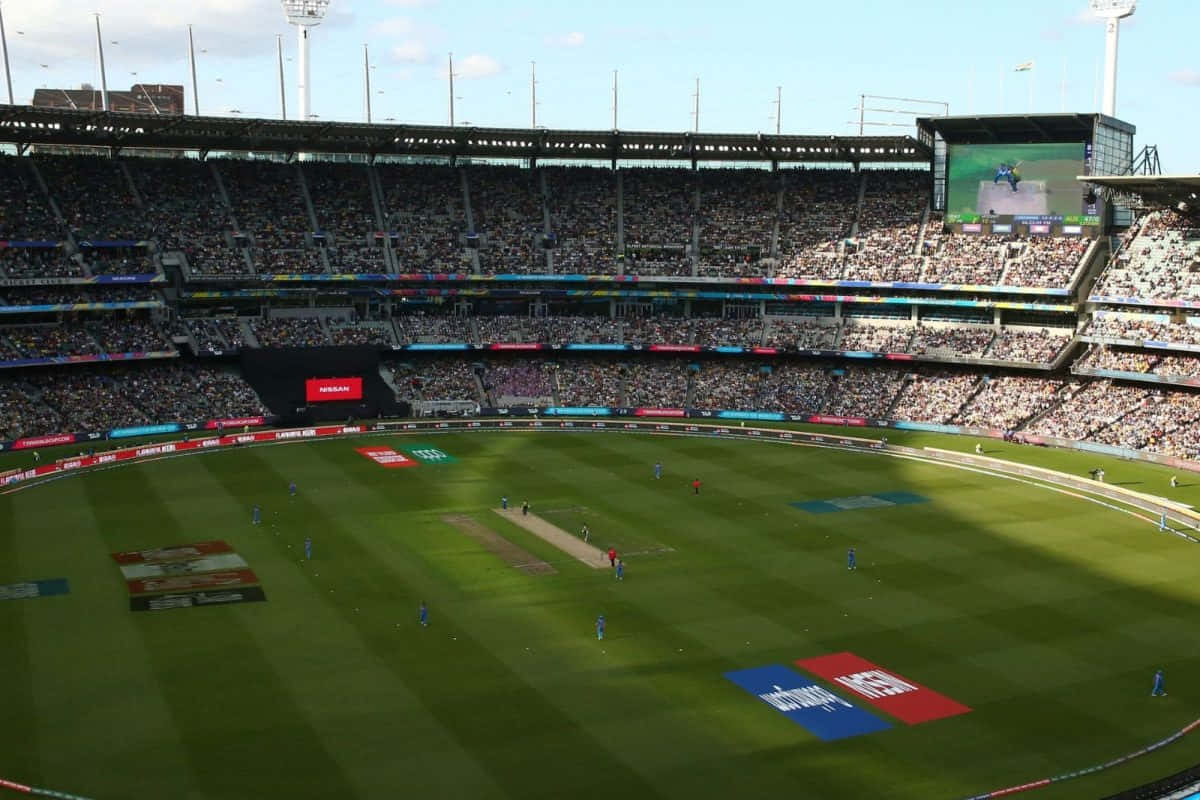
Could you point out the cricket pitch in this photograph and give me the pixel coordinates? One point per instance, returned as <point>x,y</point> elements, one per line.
<point>571,545</point>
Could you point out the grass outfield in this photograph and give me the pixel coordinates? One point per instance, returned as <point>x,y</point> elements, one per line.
<point>1045,614</point>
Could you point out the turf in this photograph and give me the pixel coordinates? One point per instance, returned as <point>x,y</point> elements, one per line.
<point>1045,614</point>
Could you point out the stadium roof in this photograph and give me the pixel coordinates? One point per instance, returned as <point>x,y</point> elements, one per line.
<point>1167,191</point>
<point>26,125</point>
<point>1017,128</point>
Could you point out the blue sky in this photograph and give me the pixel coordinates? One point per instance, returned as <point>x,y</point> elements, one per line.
<point>823,55</point>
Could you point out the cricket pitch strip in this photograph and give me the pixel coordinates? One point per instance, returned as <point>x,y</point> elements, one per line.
<point>571,545</point>
<point>497,545</point>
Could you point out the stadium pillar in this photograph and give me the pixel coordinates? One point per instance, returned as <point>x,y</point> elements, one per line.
<point>303,71</point>
<point>103,77</point>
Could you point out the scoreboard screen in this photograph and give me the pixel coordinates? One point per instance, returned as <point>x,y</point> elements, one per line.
<point>1034,183</point>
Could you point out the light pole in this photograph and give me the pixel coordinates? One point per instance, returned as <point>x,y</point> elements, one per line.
<point>282,93</point>
<point>103,78</point>
<point>304,14</point>
<point>1112,12</point>
<point>192,63</point>
<point>450,75</point>
<point>532,94</point>
<point>367,81</point>
<point>4,47</point>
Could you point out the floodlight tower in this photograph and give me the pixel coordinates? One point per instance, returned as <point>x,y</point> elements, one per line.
<point>1112,12</point>
<point>304,14</point>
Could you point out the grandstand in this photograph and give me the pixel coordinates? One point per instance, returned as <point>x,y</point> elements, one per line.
<point>801,265</point>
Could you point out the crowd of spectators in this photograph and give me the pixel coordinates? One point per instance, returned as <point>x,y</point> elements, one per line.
<point>1040,346</point>
<point>738,211</point>
<point>967,258</point>
<point>341,198</point>
<point>818,211</point>
<point>119,261</point>
<point>423,327</point>
<point>659,206</point>
<point>583,219</point>
<point>586,382</point>
<point>1048,261</point>
<point>934,396</point>
<point>521,381</point>
<point>804,334</point>
<point>1089,408</point>
<point>425,216</point>
<point>94,196</point>
<point>884,247</point>
<point>795,388</point>
<point>22,414</point>
<point>289,332</point>
<point>966,342</point>
<point>1142,328</point>
<point>101,399</point>
<point>347,259</point>
<point>445,380</point>
<point>1005,402</point>
<point>727,332</point>
<point>727,385</point>
<point>573,329</point>
<point>876,338</point>
<point>863,392</point>
<point>361,333</point>
<point>184,211</point>
<point>267,202</point>
<point>657,330</point>
<point>47,341</point>
<point>656,383</point>
<point>1130,359</point>
<point>507,208</point>
<point>38,262</point>
<point>1159,260</point>
<point>25,214</point>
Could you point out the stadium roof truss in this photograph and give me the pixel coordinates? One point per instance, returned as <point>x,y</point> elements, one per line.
<point>1017,128</point>
<point>1177,192</point>
<point>25,126</point>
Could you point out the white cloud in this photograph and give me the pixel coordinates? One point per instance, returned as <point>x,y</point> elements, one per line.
<point>63,31</point>
<point>1186,77</point>
<point>411,51</point>
<point>572,39</point>
<point>395,26</point>
<point>476,65</point>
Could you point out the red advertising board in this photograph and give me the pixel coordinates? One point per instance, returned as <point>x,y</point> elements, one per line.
<point>234,422</point>
<point>887,691</point>
<point>180,583</point>
<point>659,412</point>
<point>179,552</point>
<point>386,457</point>
<point>325,390</point>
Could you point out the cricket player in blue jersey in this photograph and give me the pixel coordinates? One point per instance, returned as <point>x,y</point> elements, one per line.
<point>600,627</point>
<point>423,614</point>
<point>308,547</point>
<point>851,563</point>
<point>620,570</point>
<point>292,488</point>
<point>1159,689</point>
<point>256,516</point>
<point>658,471</point>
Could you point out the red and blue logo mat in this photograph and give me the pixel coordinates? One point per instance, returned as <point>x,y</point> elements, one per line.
<point>815,708</point>
<point>828,715</point>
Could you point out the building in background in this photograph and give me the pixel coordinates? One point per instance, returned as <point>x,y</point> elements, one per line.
<point>145,98</point>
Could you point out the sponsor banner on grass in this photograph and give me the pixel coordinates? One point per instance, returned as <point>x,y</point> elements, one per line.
<point>815,708</point>
<point>182,583</point>
<point>175,552</point>
<point>429,454</point>
<point>385,457</point>
<point>216,563</point>
<point>907,701</point>
<point>32,589</point>
<point>165,602</point>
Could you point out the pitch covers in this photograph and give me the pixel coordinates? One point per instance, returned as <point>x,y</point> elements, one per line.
<point>187,576</point>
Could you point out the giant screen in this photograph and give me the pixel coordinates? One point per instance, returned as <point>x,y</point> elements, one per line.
<point>1027,182</point>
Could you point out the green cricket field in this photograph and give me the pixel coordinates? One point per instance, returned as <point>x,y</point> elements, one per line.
<point>1041,614</point>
